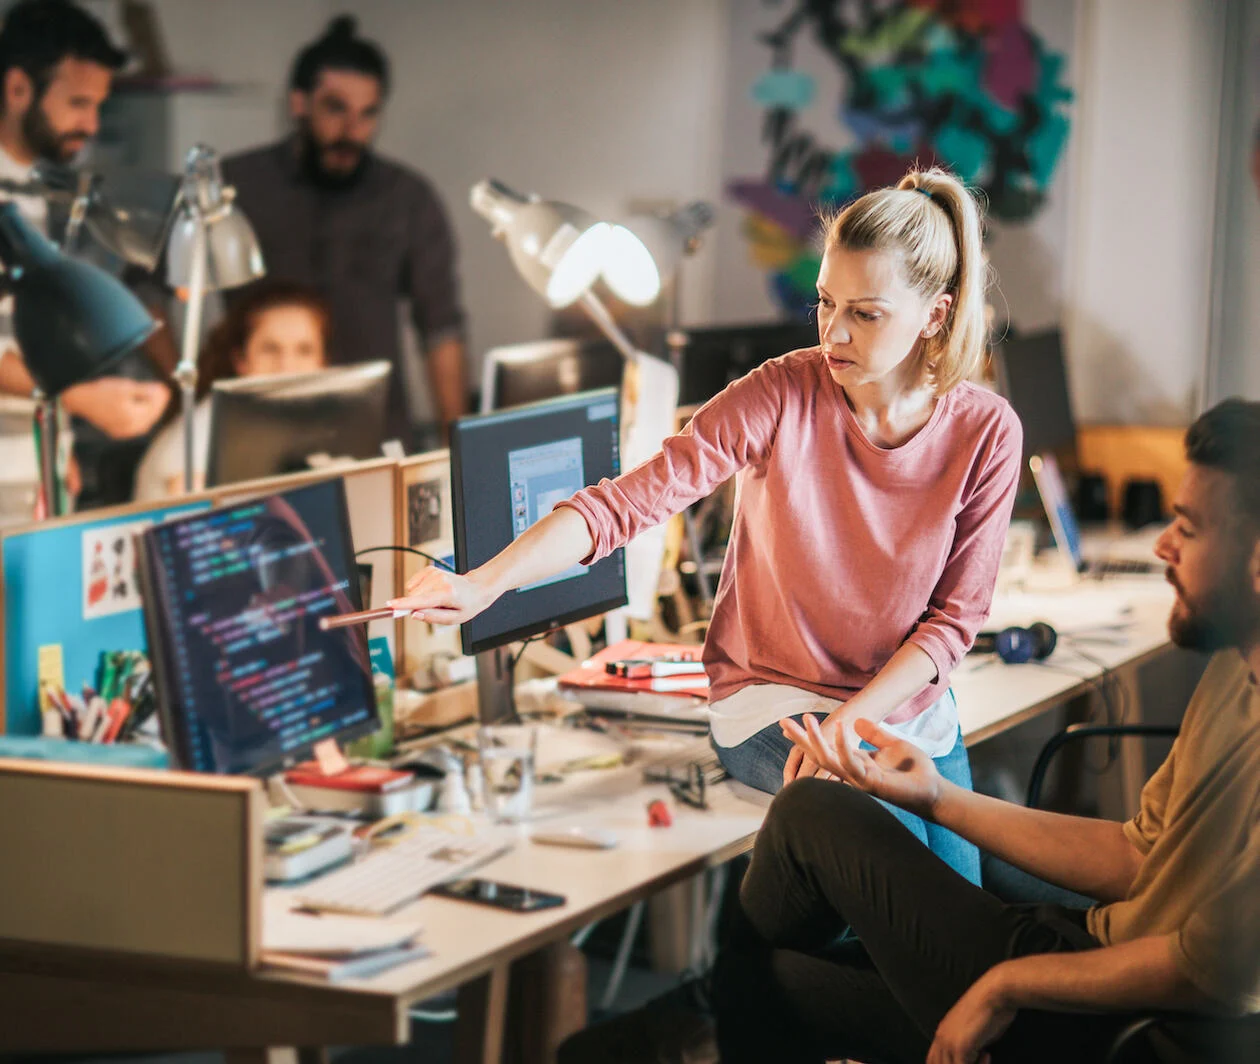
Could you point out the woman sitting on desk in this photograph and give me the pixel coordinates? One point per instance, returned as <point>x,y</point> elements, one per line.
<point>273,327</point>
<point>875,490</point>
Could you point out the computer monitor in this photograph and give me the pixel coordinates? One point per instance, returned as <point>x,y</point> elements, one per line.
<point>1032,375</point>
<point>266,426</point>
<point>714,357</point>
<point>246,680</point>
<point>528,373</point>
<point>508,469</point>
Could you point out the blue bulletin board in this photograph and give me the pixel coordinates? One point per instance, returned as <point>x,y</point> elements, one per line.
<point>71,585</point>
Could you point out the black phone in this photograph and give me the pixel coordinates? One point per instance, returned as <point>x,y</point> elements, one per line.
<point>500,895</point>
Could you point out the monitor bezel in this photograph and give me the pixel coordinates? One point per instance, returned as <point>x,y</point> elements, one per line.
<point>461,425</point>
<point>254,392</point>
<point>157,621</point>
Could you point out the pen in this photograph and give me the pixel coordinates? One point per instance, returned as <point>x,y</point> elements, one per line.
<point>346,620</point>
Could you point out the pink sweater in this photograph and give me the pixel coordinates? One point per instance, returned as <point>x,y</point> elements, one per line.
<point>840,551</point>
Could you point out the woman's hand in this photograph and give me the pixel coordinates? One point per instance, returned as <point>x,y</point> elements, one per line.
<point>896,771</point>
<point>442,597</point>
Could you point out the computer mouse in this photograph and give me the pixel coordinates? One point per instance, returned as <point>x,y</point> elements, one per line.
<point>581,837</point>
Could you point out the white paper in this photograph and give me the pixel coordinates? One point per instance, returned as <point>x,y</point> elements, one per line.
<point>109,570</point>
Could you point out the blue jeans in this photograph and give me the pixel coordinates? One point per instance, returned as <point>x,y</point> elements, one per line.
<point>758,762</point>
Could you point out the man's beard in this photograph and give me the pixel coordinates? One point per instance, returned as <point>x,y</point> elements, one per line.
<point>46,142</point>
<point>1227,616</point>
<point>312,160</point>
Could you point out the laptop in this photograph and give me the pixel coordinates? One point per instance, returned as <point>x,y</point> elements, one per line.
<point>1067,533</point>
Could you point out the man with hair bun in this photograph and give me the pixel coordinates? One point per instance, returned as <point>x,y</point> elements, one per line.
<point>875,490</point>
<point>365,231</point>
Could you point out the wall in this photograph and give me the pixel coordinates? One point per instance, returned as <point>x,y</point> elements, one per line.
<point>603,102</point>
<point>1138,265</point>
<point>597,103</point>
<point>1234,367</point>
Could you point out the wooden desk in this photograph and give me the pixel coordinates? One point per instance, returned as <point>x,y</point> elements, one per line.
<point>134,1006</point>
<point>120,1006</point>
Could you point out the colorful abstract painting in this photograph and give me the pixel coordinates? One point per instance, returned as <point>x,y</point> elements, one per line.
<point>966,84</point>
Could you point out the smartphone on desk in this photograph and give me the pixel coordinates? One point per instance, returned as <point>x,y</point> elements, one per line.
<point>500,895</point>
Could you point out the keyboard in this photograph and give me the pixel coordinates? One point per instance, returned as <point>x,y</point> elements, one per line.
<point>388,877</point>
<point>1124,567</point>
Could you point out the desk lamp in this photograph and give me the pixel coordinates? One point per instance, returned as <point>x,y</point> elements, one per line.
<point>128,211</point>
<point>560,250</point>
<point>212,247</point>
<point>72,321</point>
<point>645,252</point>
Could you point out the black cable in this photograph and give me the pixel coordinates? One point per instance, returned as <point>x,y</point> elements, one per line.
<point>406,550</point>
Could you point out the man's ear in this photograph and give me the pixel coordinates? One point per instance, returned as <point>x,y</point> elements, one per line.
<point>299,103</point>
<point>1253,568</point>
<point>19,91</point>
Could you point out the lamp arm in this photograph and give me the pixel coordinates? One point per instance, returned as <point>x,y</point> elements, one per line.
<point>78,209</point>
<point>25,188</point>
<point>186,372</point>
<point>598,313</point>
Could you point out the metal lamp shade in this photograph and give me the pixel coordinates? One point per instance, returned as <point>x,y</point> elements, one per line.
<point>233,257</point>
<point>557,248</point>
<point>645,252</point>
<point>71,320</point>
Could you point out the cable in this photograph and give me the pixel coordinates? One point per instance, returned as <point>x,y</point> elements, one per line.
<point>406,550</point>
<point>1110,689</point>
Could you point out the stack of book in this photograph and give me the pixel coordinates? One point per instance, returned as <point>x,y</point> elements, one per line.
<point>334,947</point>
<point>664,681</point>
<point>369,790</point>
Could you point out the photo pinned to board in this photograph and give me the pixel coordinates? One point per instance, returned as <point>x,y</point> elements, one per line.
<point>109,570</point>
<point>426,505</point>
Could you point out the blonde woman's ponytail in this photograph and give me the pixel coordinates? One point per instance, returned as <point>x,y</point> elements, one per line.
<point>936,224</point>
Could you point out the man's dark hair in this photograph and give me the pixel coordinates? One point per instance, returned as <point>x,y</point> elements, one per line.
<point>339,49</point>
<point>1227,438</point>
<point>39,34</point>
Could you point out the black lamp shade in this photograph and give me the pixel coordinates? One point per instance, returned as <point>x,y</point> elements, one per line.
<point>71,320</point>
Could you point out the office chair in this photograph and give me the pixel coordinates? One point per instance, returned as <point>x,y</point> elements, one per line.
<point>1220,1040</point>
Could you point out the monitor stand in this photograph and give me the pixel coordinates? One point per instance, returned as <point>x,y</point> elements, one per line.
<point>496,702</point>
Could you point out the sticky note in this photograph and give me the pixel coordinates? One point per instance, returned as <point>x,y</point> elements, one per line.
<point>51,672</point>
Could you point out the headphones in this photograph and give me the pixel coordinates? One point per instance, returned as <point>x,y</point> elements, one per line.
<point>1015,646</point>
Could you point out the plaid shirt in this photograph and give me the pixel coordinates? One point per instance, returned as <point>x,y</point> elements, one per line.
<point>385,239</point>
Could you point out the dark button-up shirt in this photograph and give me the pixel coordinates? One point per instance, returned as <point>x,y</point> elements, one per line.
<point>366,247</point>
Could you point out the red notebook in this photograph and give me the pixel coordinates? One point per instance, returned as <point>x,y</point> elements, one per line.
<point>593,674</point>
<point>370,778</point>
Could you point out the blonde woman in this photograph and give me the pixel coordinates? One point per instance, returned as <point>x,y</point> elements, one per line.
<point>875,489</point>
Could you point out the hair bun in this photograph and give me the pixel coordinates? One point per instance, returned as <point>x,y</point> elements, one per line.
<point>342,28</point>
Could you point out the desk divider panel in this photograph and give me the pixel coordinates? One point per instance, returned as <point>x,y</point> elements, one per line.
<point>160,864</point>
<point>71,583</point>
<point>46,596</point>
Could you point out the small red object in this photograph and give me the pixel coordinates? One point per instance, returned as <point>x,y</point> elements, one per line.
<point>659,815</point>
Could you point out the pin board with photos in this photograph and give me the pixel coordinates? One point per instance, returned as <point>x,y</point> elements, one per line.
<point>69,591</point>
<point>70,595</point>
<point>424,509</point>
